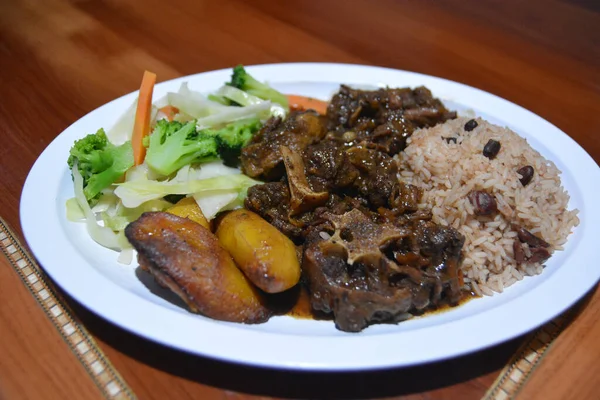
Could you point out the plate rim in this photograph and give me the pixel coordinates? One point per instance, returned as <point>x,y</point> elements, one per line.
<point>229,333</point>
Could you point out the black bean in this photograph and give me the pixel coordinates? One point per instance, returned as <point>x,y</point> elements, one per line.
<point>519,252</point>
<point>527,174</point>
<point>483,202</point>
<point>491,148</point>
<point>449,139</point>
<point>538,255</point>
<point>470,125</point>
<point>533,241</point>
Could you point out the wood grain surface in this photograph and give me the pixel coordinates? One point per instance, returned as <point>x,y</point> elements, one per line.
<point>34,365</point>
<point>62,59</point>
<point>571,369</point>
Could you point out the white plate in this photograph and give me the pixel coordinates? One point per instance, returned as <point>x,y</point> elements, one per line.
<point>92,276</point>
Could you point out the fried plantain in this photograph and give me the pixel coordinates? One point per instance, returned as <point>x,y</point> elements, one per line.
<point>187,258</point>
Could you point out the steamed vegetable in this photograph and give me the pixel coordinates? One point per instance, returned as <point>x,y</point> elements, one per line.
<point>261,111</point>
<point>192,103</point>
<point>233,137</point>
<point>122,129</point>
<point>233,96</point>
<point>238,96</point>
<point>244,81</point>
<point>118,217</point>
<point>307,103</point>
<point>173,145</point>
<point>221,100</point>
<point>99,162</point>
<point>143,115</point>
<point>102,235</point>
<point>169,112</point>
<point>134,193</point>
<point>216,111</point>
<point>214,201</point>
<point>156,153</point>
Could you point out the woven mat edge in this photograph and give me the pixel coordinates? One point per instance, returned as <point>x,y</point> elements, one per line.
<point>104,375</point>
<point>527,358</point>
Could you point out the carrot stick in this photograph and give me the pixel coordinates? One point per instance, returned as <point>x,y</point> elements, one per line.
<point>169,111</point>
<point>307,103</point>
<point>141,126</point>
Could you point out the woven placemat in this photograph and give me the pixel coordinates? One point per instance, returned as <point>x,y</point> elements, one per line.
<point>507,386</point>
<point>84,347</point>
<point>527,358</point>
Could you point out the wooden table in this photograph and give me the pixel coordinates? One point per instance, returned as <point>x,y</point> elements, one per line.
<point>61,59</point>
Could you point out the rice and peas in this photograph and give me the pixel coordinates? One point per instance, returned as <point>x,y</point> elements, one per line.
<point>448,163</point>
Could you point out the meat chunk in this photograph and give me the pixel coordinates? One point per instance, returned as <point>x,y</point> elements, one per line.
<point>377,175</point>
<point>390,136</point>
<point>357,171</point>
<point>262,157</point>
<point>384,118</point>
<point>405,199</point>
<point>303,197</point>
<point>328,167</point>
<point>272,202</point>
<point>333,175</point>
<point>369,254</point>
<point>335,288</point>
<point>369,272</point>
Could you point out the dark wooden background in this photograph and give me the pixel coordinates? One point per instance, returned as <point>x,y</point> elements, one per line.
<point>62,59</point>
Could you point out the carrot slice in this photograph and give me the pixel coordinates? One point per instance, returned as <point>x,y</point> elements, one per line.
<point>169,111</point>
<point>307,103</point>
<point>141,126</point>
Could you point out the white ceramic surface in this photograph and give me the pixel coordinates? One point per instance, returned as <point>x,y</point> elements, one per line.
<point>93,277</point>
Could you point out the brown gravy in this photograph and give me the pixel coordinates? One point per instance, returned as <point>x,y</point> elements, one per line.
<point>301,309</point>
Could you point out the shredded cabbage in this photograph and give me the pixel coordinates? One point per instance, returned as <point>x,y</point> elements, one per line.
<point>126,256</point>
<point>212,202</point>
<point>246,99</point>
<point>74,212</point>
<point>118,217</point>
<point>102,235</point>
<point>142,171</point>
<point>122,130</point>
<point>193,103</point>
<point>134,193</point>
<point>114,215</point>
<point>261,111</point>
<point>211,113</point>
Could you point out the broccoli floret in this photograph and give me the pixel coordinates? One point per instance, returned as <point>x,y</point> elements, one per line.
<point>232,138</point>
<point>100,162</point>
<point>172,145</point>
<point>244,81</point>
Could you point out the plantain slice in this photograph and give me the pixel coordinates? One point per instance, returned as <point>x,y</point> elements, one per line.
<point>187,258</point>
